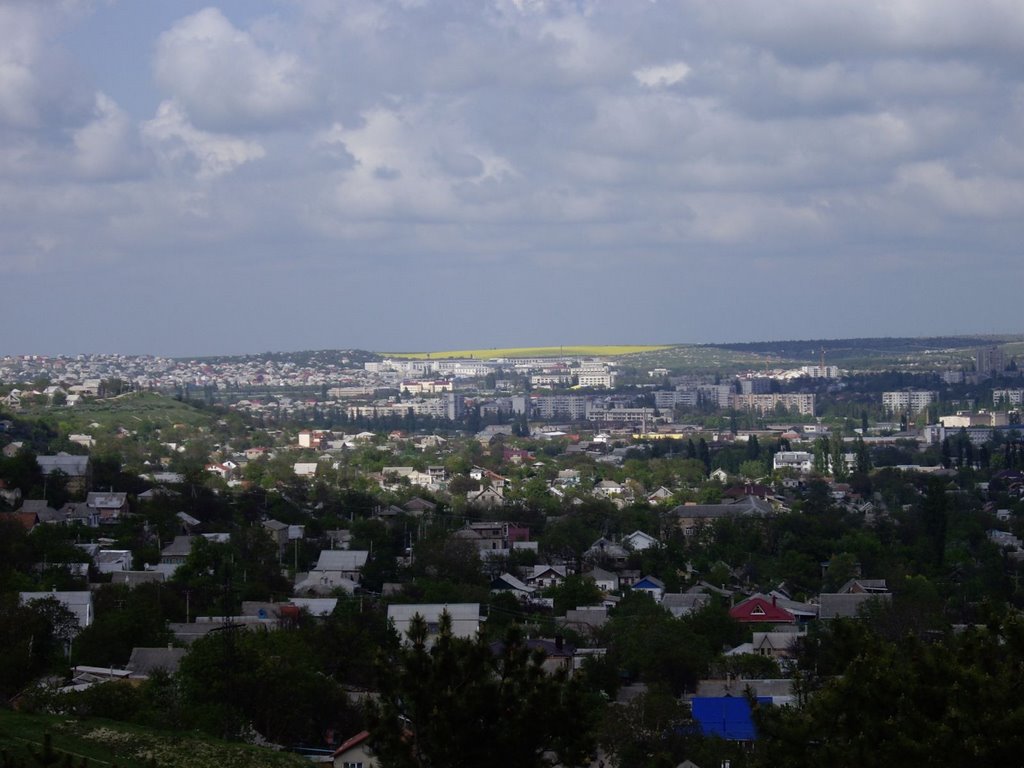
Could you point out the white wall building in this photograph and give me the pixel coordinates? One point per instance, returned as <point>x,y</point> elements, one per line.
<point>912,401</point>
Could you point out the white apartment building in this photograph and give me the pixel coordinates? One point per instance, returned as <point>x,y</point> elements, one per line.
<point>601,379</point>
<point>601,415</point>
<point>572,407</point>
<point>716,393</point>
<point>802,403</point>
<point>820,371</point>
<point>550,379</point>
<point>913,401</point>
<point>1007,396</point>
<point>801,461</point>
<point>666,400</point>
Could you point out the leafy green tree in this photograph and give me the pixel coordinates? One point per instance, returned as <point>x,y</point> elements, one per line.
<point>234,679</point>
<point>753,469</point>
<point>461,703</point>
<point>951,701</point>
<point>31,637</point>
<point>651,645</point>
<point>574,591</point>
<point>125,619</point>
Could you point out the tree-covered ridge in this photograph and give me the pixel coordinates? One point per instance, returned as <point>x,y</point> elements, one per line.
<point>350,358</point>
<point>842,351</point>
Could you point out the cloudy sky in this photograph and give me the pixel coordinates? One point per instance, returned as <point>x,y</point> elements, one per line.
<point>183,178</point>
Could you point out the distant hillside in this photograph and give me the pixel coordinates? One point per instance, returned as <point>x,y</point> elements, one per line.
<point>343,358</point>
<point>574,350</point>
<point>927,352</point>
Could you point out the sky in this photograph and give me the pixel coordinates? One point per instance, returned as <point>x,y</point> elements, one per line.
<point>183,178</point>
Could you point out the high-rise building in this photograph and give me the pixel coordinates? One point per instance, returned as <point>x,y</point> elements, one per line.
<point>989,360</point>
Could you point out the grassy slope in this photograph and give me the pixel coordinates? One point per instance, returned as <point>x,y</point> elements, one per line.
<point>105,743</point>
<point>128,411</point>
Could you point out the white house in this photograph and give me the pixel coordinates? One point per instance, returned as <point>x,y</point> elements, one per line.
<point>638,541</point>
<point>465,618</point>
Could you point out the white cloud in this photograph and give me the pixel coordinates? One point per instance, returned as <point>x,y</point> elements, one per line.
<point>225,77</point>
<point>179,143</point>
<point>108,145</point>
<point>662,75</point>
<point>38,81</point>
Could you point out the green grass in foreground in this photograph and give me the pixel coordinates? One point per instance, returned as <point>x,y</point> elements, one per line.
<point>582,350</point>
<point>105,742</point>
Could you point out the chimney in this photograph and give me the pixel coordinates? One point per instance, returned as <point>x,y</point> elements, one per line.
<point>559,642</point>
<point>773,600</point>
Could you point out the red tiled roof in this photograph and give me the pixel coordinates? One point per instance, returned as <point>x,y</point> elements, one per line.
<point>359,738</point>
<point>758,608</point>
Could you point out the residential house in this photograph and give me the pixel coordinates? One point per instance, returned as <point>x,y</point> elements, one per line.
<point>720,475</point>
<point>849,599</point>
<point>558,654</point>
<point>804,612</point>
<point>693,519</point>
<point>653,586</point>
<point>174,554</point>
<point>278,533</point>
<point>544,576</point>
<point>74,468</point>
<point>567,478</point>
<point>506,582</point>
<point>685,603</point>
<point>336,569</point>
<point>726,717</point>
<point>761,609</point>
<point>493,538</point>
<point>417,507</point>
<point>27,520</point>
<point>748,489</point>
<point>78,602</point>
<point>775,645</point>
<point>488,478</point>
<point>108,507</point>
<point>43,511</point>
<point>607,552</point>
<point>660,495</point>
<point>638,541</point>
<point>145,661</point>
<point>465,618</point>
<point>606,489</point>
<point>486,498</point>
<point>79,513</point>
<point>113,560</point>
<point>847,605</point>
<point>606,581</point>
<point>585,619</point>
<point>355,753</point>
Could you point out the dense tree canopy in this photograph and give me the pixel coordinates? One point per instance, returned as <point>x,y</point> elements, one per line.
<point>451,702</point>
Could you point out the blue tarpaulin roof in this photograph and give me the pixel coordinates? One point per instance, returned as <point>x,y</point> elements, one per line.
<point>726,716</point>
